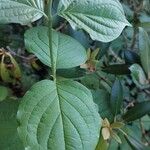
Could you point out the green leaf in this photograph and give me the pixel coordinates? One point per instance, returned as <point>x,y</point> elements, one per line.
<point>131,57</point>
<point>102,144</point>
<point>134,139</point>
<point>4,71</point>
<point>118,69</point>
<point>138,111</point>
<point>145,24</point>
<point>103,20</point>
<point>135,144</point>
<point>3,93</point>
<point>68,53</point>
<point>144,46</point>
<point>116,97</point>
<point>117,125</point>
<point>124,145</point>
<point>101,98</point>
<point>91,81</point>
<point>9,139</point>
<point>113,145</point>
<point>146,122</point>
<point>71,73</point>
<point>138,75</point>
<point>116,137</point>
<point>20,11</point>
<point>58,116</point>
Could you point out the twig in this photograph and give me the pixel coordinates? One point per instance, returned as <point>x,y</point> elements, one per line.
<point>22,57</point>
<point>61,26</point>
<point>115,56</point>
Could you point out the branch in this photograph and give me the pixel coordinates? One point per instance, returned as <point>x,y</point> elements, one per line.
<point>50,26</point>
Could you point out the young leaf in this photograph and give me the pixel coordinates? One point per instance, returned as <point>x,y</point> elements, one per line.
<point>16,71</point>
<point>144,46</point>
<point>103,20</point>
<point>138,111</point>
<point>58,116</point>
<point>106,133</point>
<point>20,11</point>
<point>3,93</point>
<point>69,53</point>
<point>116,97</point>
<point>9,139</point>
<point>117,125</point>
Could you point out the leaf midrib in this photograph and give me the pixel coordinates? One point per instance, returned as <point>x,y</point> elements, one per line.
<point>61,113</point>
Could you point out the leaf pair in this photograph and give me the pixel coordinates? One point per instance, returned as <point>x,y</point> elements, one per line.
<point>103,20</point>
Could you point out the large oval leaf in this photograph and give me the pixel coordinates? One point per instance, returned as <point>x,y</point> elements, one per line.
<point>9,139</point>
<point>20,11</point>
<point>144,46</point>
<point>104,20</point>
<point>68,52</point>
<point>58,116</point>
